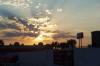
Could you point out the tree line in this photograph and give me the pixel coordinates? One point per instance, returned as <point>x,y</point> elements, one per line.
<point>54,45</point>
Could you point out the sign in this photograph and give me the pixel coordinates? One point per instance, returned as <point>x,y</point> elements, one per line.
<point>80,35</point>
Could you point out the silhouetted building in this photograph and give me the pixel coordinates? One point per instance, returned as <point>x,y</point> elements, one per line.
<point>96,39</point>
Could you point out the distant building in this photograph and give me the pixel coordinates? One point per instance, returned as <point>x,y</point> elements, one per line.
<point>96,39</point>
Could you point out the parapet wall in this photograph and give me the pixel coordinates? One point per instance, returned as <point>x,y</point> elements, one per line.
<point>87,57</point>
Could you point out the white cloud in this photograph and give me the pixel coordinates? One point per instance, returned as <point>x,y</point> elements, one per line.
<point>17,3</point>
<point>1,18</point>
<point>59,9</point>
<point>48,11</point>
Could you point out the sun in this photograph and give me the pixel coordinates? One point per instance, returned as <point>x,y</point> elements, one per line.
<point>40,37</point>
<point>45,28</point>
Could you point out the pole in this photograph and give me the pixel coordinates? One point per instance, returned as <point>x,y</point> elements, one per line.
<point>79,43</point>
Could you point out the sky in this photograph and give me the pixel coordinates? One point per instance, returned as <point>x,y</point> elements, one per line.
<point>33,21</point>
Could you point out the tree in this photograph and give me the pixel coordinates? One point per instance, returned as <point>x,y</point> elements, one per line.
<point>49,46</point>
<point>63,45</point>
<point>34,45</point>
<point>71,43</point>
<point>22,44</point>
<point>1,43</point>
<point>16,44</point>
<point>54,44</point>
<point>40,44</point>
<point>10,44</point>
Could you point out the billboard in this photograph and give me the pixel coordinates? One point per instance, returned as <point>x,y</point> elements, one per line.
<point>80,35</point>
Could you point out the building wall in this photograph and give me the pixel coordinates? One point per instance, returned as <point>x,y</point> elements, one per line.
<point>87,57</point>
<point>34,58</point>
<point>96,39</point>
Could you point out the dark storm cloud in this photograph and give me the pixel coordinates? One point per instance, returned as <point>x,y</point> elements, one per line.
<point>18,34</point>
<point>63,35</point>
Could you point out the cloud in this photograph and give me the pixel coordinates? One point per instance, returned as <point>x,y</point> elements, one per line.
<point>59,9</point>
<point>29,19</point>
<point>48,11</point>
<point>24,22</point>
<point>9,26</point>
<point>62,35</point>
<point>18,34</point>
<point>20,25</point>
<point>23,26</point>
<point>17,3</point>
